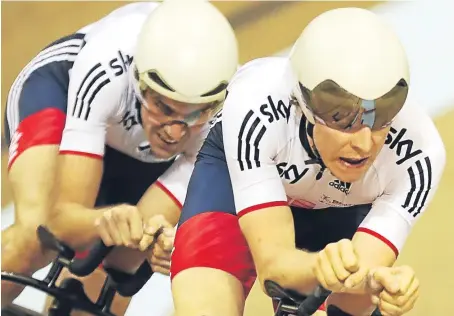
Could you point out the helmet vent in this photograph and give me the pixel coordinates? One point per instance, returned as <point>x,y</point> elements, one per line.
<point>222,86</point>
<point>402,83</point>
<point>155,77</point>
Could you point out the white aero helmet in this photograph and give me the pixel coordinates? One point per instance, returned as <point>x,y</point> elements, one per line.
<point>352,70</point>
<point>187,51</point>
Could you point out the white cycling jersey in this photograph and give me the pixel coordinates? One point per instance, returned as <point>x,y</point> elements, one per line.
<point>271,163</point>
<point>102,106</point>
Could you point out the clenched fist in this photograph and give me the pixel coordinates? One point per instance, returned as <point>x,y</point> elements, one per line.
<point>159,255</point>
<point>123,225</point>
<point>337,267</point>
<point>398,289</point>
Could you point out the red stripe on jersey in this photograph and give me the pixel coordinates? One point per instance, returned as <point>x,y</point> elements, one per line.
<point>261,206</point>
<point>44,127</point>
<point>377,235</point>
<point>170,194</point>
<point>80,153</point>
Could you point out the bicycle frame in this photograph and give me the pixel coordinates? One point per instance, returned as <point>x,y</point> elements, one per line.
<point>290,303</point>
<point>70,295</point>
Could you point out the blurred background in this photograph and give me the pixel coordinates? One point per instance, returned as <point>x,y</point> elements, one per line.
<point>268,28</point>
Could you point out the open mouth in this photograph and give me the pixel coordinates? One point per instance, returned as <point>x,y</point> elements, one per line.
<point>353,162</point>
<point>166,140</point>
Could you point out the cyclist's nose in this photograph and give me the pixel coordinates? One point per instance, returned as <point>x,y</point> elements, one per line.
<point>362,140</point>
<point>175,132</point>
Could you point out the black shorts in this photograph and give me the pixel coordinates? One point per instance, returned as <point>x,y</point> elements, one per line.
<point>209,234</point>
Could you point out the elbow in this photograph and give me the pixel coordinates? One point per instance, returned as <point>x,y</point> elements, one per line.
<point>22,250</point>
<point>290,269</point>
<point>268,269</point>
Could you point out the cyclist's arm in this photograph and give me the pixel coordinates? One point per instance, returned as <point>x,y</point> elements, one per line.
<point>32,167</point>
<point>260,200</point>
<point>165,197</point>
<point>93,97</point>
<point>382,234</point>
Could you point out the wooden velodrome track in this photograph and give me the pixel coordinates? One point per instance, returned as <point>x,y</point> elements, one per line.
<point>263,28</point>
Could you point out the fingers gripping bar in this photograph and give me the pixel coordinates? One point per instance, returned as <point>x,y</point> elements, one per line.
<point>125,284</point>
<point>296,304</point>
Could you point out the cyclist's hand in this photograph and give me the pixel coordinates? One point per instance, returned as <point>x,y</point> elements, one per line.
<point>158,231</point>
<point>338,264</point>
<point>121,225</point>
<point>399,289</point>
<point>159,254</point>
<point>159,258</point>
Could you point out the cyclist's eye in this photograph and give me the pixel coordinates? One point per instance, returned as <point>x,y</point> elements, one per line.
<point>194,116</point>
<point>164,108</point>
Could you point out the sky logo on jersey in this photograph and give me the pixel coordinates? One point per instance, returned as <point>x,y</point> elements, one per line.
<point>276,112</point>
<point>404,147</point>
<point>341,186</point>
<point>130,119</point>
<point>290,172</point>
<point>120,64</point>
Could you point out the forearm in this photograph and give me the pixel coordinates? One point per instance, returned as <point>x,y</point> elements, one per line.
<point>156,201</point>
<point>291,269</point>
<point>74,224</point>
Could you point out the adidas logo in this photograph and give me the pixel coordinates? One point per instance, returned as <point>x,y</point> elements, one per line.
<point>341,186</point>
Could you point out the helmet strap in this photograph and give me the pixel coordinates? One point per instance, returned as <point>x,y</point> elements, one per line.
<point>306,133</point>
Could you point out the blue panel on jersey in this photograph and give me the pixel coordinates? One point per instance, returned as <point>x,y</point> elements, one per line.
<point>45,87</point>
<point>210,189</point>
<point>44,82</point>
<point>79,36</point>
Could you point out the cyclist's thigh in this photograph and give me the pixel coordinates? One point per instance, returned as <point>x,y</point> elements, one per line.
<point>212,268</point>
<point>36,111</point>
<point>314,229</point>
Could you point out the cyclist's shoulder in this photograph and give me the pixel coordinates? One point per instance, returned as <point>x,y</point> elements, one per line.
<point>262,76</point>
<point>413,149</point>
<point>112,40</point>
<point>261,90</point>
<point>122,20</point>
<point>412,136</point>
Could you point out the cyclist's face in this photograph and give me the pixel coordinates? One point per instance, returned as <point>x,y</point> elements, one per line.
<point>348,155</point>
<point>171,139</point>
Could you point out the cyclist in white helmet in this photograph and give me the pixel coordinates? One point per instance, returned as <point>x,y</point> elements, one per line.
<point>316,175</point>
<point>125,104</point>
